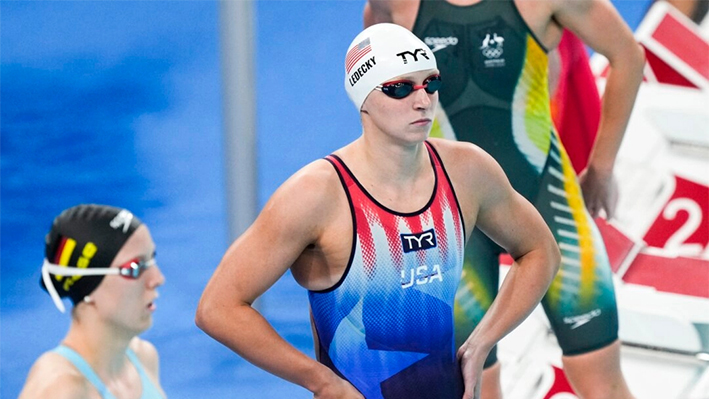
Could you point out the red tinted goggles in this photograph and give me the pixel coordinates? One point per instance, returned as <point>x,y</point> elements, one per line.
<point>135,267</point>
<point>402,88</point>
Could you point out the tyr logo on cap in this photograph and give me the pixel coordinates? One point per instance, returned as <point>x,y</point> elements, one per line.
<point>124,219</point>
<point>414,54</point>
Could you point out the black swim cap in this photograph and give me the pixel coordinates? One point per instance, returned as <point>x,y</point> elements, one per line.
<point>86,236</point>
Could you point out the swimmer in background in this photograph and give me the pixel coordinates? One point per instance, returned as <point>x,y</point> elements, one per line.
<point>103,259</point>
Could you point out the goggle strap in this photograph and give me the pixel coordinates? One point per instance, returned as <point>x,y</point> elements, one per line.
<point>50,268</point>
<point>50,288</point>
<point>76,271</point>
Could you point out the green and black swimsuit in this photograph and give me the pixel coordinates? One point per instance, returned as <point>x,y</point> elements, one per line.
<point>495,94</point>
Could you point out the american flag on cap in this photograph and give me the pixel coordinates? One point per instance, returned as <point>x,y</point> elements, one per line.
<point>356,53</point>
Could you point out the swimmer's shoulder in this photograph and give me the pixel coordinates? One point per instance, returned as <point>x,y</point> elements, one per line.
<point>53,376</point>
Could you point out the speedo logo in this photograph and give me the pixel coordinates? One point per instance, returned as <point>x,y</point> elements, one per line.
<point>439,43</point>
<point>123,219</point>
<point>578,321</point>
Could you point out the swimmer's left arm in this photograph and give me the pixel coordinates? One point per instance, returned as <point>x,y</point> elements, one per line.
<point>512,222</point>
<point>626,58</point>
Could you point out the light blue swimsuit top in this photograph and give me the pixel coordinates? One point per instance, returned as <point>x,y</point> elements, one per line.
<point>150,391</point>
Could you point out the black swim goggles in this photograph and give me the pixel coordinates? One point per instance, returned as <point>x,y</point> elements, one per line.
<point>402,88</point>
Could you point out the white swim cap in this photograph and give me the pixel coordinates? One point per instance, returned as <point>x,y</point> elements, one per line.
<point>380,53</point>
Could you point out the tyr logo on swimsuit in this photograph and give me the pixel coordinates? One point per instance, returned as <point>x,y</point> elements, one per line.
<point>419,241</point>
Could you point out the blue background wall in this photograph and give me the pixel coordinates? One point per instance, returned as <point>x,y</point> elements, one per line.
<point>119,102</point>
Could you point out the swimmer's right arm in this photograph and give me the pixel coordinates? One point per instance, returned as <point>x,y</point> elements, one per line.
<point>291,220</point>
<point>53,377</point>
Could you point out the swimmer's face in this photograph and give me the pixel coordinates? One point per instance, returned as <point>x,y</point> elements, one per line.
<point>405,106</point>
<point>127,302</point>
